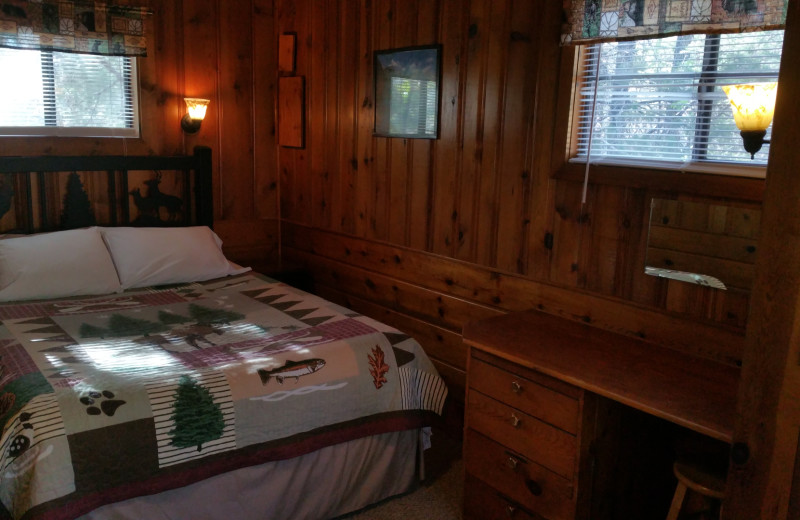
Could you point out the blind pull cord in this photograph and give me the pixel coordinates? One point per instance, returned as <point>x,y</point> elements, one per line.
<point>591,127</point>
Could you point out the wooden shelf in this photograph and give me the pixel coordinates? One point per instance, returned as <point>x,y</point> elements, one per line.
<point>692,392</point>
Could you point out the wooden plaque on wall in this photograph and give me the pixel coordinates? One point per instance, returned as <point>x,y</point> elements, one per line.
<point>291,102</point>
<point>286,53</point>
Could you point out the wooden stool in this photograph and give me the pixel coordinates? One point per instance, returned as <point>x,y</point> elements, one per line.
<point>699,481</point>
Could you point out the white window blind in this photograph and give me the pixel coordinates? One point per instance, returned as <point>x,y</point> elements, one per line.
<point>65,94</point>
<point>660,99</point>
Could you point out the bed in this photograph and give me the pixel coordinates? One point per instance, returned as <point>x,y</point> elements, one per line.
<point>143,375</point>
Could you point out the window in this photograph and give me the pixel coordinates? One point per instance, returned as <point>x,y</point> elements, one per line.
<point>65,94</point>
<point>660,99</point>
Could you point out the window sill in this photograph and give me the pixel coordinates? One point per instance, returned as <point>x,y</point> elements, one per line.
<point>723,183</point>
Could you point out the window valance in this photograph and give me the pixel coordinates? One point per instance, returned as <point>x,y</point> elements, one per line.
<point>593,21</point>
<point>73,26</point>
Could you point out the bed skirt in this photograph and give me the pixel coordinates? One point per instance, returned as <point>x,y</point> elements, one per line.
<point>323,484</point>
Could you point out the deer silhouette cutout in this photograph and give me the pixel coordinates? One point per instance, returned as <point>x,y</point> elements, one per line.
<point>169,202</point>
<point>147,207</point>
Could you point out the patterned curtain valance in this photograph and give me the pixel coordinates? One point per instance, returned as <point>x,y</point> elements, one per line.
<point>591,21</point>
<point>73,26</point>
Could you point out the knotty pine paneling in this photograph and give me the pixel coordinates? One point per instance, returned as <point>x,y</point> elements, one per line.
<point>224,51</point>
<point>485,214</point>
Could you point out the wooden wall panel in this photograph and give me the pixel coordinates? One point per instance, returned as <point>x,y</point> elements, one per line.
<point>471,134</point>
<point>199,65</point>
<point>265,174</point>
<point>343,115</point>
<point>446,158</point>
<point>363,160</point>
<point>379,205</point>
<point>321,104</point>
<point>160,80</point>
<point>487,220</point>
<point>545,96</point>
<point>513,171</point>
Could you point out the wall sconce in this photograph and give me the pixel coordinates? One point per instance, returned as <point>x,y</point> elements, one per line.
<point>195,113</point>
<point>753,106</point>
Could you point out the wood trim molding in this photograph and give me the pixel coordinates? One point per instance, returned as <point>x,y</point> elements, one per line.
<point>708,185</point>
<point>766,434</point>
<point>473,285</point>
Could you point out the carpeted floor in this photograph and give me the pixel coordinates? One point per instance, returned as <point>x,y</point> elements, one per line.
<point>438,498</point>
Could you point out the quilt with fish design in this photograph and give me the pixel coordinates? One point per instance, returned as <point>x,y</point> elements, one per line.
<point>107,398</point>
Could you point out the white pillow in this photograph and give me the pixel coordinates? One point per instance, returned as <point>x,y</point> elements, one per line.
<point>55,265</point>
<point>158,256</point>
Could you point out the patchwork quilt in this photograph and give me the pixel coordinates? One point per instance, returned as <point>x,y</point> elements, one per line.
<point>106,398</point>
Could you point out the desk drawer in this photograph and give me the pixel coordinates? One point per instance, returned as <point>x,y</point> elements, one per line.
<point>482,502</point>
<point>522,481</point>
<point>530,397</point>
<point>533,439</point>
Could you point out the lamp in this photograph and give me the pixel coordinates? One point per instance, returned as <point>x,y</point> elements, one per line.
<point>195,113</point>
<point>753,106</point>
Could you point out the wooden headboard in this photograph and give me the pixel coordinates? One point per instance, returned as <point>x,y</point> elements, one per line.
<point>47,193</point>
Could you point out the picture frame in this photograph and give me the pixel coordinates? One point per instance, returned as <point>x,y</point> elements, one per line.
<point>407,90</point>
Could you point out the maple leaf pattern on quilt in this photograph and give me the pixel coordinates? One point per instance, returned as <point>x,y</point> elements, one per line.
<point>378,366</point>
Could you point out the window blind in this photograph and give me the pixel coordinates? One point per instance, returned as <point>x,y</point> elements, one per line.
<point>660,99</point>
<point>65,94</point>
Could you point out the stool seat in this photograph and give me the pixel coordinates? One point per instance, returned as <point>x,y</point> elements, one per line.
<point>697,479</point>
<point>700,480</point>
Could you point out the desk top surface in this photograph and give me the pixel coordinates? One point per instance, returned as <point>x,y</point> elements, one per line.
<point>693,392</point>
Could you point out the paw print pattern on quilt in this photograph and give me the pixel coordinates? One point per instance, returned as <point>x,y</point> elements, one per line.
<point>104,402</point>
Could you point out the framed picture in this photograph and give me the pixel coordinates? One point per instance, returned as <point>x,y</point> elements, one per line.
<point>407,84</point>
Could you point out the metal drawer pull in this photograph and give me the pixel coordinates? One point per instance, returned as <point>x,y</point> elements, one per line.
<point>512,463</point>
<point>515,421</point>
<point>533,487</point>
<point>510,510</point>
<point>516,387</point>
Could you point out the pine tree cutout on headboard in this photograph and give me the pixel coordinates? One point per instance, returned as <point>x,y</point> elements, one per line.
<point>78,210</point>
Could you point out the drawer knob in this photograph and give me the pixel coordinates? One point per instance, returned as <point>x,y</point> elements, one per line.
<point>516,387</point>
<point>510,510</point>
<point>515,421</point>
<point>533,487</point>
<point>512,463</point>
<point>740,453</point>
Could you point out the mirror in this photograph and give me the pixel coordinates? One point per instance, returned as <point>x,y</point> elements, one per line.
<point>704,243</point>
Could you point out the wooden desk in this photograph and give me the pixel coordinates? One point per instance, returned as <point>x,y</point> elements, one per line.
<point>693,392</point>
<point>517,397</point>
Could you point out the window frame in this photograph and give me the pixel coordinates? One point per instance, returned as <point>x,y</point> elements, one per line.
<point>728,181</point>
<point>85,131</point>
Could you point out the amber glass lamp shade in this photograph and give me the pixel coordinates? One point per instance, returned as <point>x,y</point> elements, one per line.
<point>753,107</point>
<point>195,113</point>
